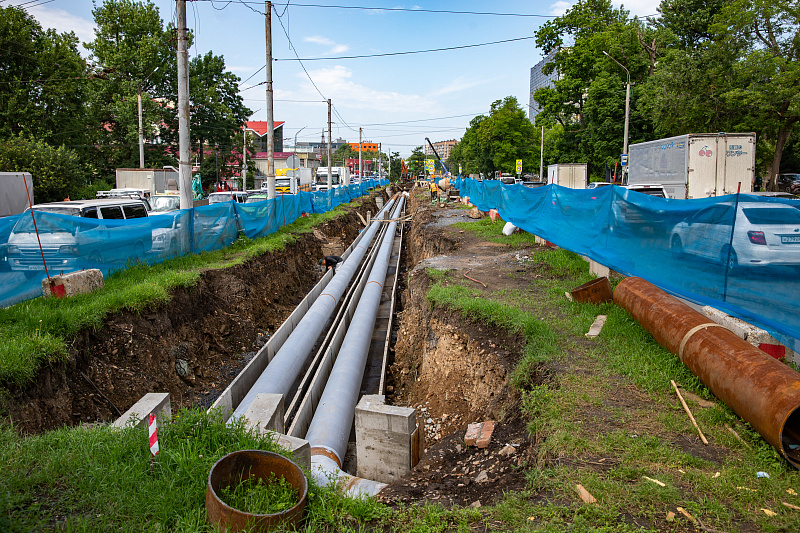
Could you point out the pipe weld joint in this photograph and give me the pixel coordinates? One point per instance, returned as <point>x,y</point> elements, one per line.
<point>691,332</point>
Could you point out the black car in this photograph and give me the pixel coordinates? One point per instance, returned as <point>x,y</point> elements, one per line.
<point>787,181</point>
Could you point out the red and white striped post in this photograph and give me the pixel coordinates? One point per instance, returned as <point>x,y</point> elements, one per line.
<point>153,435</point>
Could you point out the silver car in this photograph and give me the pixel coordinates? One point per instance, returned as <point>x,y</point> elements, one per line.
<point>766,234</point>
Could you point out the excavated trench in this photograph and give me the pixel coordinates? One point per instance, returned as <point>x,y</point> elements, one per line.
<point>452,370</point>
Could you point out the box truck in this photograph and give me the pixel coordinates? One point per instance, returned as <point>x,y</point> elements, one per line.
<point>13,194</point>
<point>695,165</point>
<point>339,176</point>
<point>152,180</point>
<point>572,175</point>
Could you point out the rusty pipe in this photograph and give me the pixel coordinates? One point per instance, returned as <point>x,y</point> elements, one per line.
<point>760,389</point>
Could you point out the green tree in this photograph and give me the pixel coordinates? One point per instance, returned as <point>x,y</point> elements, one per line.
<point>765,81</point>
<point>497,141</point>
<point>416,162</point>
<point>57,172</point>
<point>43,81</point>
<point>395,167</point>
<point>132,53</point>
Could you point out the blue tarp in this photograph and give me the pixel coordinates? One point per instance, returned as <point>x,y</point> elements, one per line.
<point>71,243</point>
<point>738,253</point>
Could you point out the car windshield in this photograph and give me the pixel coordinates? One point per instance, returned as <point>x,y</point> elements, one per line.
<point>216,198</point>
<point>771,216</point>
<point>25,223</point>
<point>165,203</point>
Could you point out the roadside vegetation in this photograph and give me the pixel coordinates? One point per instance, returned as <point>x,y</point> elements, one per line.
<point>38,331</point>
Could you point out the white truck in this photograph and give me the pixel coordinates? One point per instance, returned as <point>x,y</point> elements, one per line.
<point>153,180</point>
<point>695,165</point>
<point>571,175</point>
<point>339,176</point>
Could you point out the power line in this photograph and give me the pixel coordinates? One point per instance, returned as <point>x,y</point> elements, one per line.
<point>410,10</point>
<point>406,53</point>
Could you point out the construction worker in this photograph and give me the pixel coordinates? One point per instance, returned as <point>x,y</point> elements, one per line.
<point>330,261</point>
<point>434,190</point>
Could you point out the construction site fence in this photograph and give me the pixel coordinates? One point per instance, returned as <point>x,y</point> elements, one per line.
<point>65,243</point>
<point>739,253</point>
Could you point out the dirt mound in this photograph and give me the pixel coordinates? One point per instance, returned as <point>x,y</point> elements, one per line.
<point>191,346</point>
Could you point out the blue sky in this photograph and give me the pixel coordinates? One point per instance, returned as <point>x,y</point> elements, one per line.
<point>397,100</point>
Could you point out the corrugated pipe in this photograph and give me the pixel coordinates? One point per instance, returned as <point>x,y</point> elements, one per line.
<point>282,371</point>
<point>760,389</point>
<point>330,428</point>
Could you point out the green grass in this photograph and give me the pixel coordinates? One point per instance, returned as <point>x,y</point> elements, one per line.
<point>100,479</point>
<point>38,331</point>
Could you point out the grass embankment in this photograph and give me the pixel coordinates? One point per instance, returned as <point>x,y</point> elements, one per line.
<point>607,417</point>
<point>37,331</point>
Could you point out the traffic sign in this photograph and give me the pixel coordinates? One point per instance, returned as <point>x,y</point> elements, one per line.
<point>292,161</point>
<point>519,166</point>
<point>624,159</point>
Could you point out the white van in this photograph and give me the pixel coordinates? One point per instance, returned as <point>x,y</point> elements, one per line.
<point>239,197</point>
<point>68,245</point>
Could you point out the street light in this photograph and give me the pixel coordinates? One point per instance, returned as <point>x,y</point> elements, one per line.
<point>627,105</point>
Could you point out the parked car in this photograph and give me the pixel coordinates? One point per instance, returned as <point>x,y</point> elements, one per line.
<point>765,234</point>
<point>787,181</point>
<point>162,203</point>
<point>598,184</point>
<point>256,197</point>
<point>66,243</point>
<point>638,216</point>
<point>239,197</point>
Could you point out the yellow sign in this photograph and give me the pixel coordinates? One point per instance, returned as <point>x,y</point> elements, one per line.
<point>519,166</point>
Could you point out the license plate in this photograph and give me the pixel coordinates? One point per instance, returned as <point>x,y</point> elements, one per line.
<point>790,239</point>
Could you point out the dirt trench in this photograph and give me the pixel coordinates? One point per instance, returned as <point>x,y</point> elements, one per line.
<point>192,346</point>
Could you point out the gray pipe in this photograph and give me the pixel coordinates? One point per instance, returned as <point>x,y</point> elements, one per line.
<point>284,368</point>
<point>333,418</point>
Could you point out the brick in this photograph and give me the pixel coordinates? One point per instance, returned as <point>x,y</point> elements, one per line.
<point>485,434</point>
<point>472,433</point>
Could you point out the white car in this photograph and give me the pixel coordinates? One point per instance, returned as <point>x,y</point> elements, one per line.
<point>766,234</point>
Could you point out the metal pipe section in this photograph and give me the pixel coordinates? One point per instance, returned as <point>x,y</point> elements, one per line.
<point>284,368</point>
<point>330,428</point>
<point>760,389</point>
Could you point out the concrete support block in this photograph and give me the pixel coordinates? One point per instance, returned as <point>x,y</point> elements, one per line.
<point>752,334</point>
<point>265,413</point>
<point>152,402</point>
<point>596,269</point>
<point>386,435</point>
<point>81,282</point>
<point>299,447</point>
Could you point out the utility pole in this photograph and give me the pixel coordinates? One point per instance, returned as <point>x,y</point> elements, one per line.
<point>627,111</point>
<point>541,158</point>
<point>141,133</point>
<point>184,164</point>
<point>360,168</point>
<point>244,157</point>
<point>270,117</point>
<point>330,176</point>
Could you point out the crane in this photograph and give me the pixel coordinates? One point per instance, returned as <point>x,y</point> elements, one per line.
<point>437,156</point>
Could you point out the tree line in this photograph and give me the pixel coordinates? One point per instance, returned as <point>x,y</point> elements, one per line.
<point>72,121</point>
<point>696,66</point>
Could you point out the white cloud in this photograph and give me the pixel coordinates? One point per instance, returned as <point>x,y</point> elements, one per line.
<point>334,47</point>
<point>458,85</point>
<point>336,83</point>
<point>559,8</point>
<point>62,22</point>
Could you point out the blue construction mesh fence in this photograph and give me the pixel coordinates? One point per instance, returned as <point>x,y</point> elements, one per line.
<point>66,243</point>
<point>738,253</point>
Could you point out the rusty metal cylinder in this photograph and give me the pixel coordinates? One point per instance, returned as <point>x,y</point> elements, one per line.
<point>761,390</point>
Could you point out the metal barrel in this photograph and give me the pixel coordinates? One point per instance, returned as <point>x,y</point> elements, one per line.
<point>760,389</point>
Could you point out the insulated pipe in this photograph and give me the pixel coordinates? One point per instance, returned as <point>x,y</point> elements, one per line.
<point>284,368</point>
<point>760,389</point>
<point>330,428</point>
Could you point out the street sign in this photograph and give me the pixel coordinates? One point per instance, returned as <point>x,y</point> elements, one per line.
<point>624,160</point>
<point>519,166</point>
<point>292,161</point>
<point>459,169</point>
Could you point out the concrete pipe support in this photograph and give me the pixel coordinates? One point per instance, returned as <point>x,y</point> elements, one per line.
<point>760,389</point>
